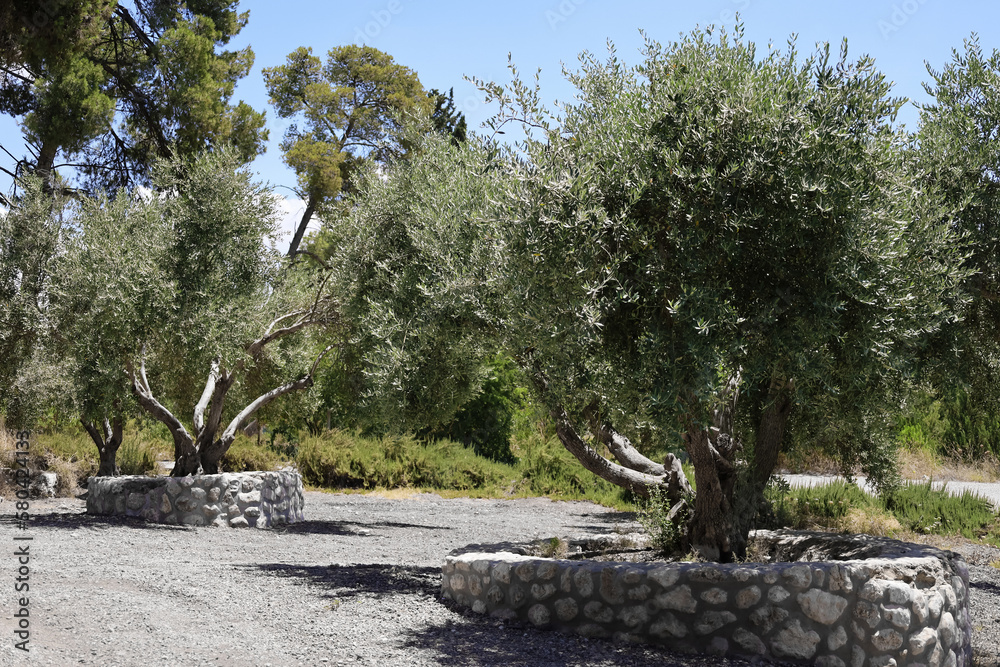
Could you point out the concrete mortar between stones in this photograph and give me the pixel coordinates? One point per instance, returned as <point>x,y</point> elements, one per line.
<point>238,500</point>
<point>905,605</point>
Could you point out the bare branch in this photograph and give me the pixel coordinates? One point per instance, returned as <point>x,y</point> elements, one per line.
<point>303,382</point>
<point>206,396</point>
<point>140,387</point>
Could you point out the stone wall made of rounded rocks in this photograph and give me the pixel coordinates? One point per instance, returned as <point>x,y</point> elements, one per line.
<point>909,609</point>
<point>254,499</point>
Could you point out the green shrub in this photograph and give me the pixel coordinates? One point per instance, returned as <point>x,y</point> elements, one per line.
<point>487,421</point>
<point>924,509</point>
<point>245,455</point>
<point>655,519</point>
<point>342,460</point>
<point>138,457</point>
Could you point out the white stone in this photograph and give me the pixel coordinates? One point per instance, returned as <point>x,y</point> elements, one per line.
<point>748,641</point>
<point>898,616</point>
<point>821,606</point>
<point>542,591</point>
<point>873,590</point>
<point>868,612</point>
<point>667,625</point>
<point>566,609</point>
<point>837,638</point>
<point>679,599</point>
<point>794,642</point>
<point>922,640</point>
<point>857,656</point>
<point>249,497</point>
<point>799,576</point>
<point>584,582</point>
<point>748,597</point>
<point>539,614</point>
<point>525,571</point>
<point>886,640</point>
<point>198,495</point>
<point>715,596</point>
<point>633,616</point>
<point>777,594</point>
<point>135,501</point>
<point>239,522</point>
<point>899,593</point>
<point>711,621</point>
<point>664,576</point>
<point>947,630</point>
<point>597,611</point>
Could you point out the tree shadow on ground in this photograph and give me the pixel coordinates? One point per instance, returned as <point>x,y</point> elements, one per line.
<point>478,641</point>
<point>346,581</point>
<point>79,520</point>
<point>321,527</point>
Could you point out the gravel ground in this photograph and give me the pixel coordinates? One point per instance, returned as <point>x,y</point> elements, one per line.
<point>356,584</point>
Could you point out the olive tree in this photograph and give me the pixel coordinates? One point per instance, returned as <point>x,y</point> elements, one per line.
<point>181,298</point>
<point>706,245</point>
<point>959,155</point>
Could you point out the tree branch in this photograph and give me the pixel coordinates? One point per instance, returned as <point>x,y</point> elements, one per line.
<point>206,396</point>
<point>302,383</point>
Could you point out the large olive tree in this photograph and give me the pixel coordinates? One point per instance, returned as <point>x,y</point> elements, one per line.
<point>701,246</point>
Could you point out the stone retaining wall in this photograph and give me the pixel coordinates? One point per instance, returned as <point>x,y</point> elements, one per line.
<point>891,604</point>
<point>255,499</point>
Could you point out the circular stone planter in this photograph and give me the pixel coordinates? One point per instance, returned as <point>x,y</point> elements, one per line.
<point>254,499</point>
<point>841,600</point>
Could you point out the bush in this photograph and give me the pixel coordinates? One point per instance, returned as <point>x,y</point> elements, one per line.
<point>487,421</point>
<point>667,535</point>
<point>245,455</point>
<point>924,509</point>
<point>342,460</point>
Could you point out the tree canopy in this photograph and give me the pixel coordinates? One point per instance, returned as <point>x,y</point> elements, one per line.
<point>347,110</point>
<point>706,243</point>
<point>111,86</point>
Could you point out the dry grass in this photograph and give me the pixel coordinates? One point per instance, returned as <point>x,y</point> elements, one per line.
<point>922,464</point>
<point>804,460</point>
<point>870,521</point>
<point>402,493</point>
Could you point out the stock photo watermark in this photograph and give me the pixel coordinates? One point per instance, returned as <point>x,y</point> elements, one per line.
<point>899,17</point>
<point>380,21</point>
<point>22,542</point>
<point>561,12</point>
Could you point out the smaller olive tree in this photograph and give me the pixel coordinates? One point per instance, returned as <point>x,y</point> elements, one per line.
<point>183,290</point>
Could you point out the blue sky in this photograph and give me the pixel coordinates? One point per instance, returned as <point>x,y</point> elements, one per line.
<point>446,41</point>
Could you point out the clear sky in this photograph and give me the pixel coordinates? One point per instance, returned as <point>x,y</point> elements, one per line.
<point>446,41</point>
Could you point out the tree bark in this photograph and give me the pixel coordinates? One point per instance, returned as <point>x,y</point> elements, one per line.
<point>715,476</point>
<point>108,441</point>
<point>303,223</point>
<point>770,435</point>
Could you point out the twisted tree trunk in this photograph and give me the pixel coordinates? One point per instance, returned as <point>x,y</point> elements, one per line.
<point>108,440</point>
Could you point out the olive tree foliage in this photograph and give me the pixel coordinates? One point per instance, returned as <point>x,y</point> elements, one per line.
<point>30,233</point>
<point>418,272</point>
<point>705,244</point>
<point>180,299</point>
<point>726,239</point>
<point>959,151</point>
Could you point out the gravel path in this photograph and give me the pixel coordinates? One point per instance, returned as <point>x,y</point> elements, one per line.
<point>356,584</point>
